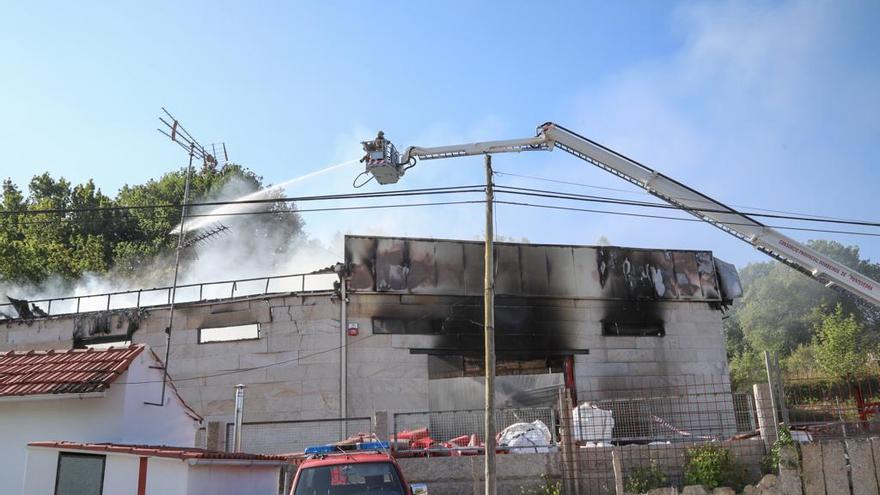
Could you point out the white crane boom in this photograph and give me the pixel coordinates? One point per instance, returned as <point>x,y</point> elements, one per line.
<point>550,135</point>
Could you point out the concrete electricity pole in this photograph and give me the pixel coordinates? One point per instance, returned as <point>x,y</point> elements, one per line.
<point>489,332</point>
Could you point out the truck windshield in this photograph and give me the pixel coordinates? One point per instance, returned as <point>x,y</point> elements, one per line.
<point>369,478</point>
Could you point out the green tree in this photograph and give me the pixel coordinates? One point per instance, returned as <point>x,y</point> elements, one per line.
<point>37,246</point>
<point>777,311</point>
<point>840,345</point>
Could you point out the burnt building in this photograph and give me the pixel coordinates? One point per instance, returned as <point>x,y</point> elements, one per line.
<point>398,327</point>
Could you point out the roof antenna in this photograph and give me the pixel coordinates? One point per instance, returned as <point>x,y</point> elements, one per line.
<point>185,140</point>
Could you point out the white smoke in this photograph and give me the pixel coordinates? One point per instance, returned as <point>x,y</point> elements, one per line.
<point>253,245</point>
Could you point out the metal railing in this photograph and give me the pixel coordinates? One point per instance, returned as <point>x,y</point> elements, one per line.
<point>160,296</point>
<point>284,437</point>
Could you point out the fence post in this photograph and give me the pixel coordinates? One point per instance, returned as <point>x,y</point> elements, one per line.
<point>568,448</point>
<point>618,471</point>
<point>766,414</point>
<point>380,425</point>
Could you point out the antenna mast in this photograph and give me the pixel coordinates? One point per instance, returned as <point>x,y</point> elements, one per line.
<point>179,135</point>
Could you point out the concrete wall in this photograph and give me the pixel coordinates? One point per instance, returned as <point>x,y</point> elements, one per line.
<point>464,475</point>
<point>120,416</point>
<point>293,370</point>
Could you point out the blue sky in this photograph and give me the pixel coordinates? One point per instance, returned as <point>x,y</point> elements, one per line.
<point>759,104</point>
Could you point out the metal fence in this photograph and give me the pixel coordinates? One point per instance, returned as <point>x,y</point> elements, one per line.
<point>282,437</point>
<point>299,282</point>
<point>825,408</point>
<point>527,429</point>
<point>696,408</point>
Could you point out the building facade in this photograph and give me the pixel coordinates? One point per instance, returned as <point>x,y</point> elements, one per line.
<point>402,331</point>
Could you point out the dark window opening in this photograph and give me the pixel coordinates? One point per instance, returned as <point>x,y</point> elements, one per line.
<point>407,327</point>
<point>622,329</point>
<point>79,474</point>
<point>460,366</point>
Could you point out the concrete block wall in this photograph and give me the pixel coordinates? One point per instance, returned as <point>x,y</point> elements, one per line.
<point>293,370</point>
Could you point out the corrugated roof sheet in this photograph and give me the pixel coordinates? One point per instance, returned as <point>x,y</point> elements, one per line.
<point>158,451</point>
<point>71,371</point>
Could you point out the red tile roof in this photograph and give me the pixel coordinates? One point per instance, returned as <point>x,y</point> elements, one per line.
<point>158,451</point>
<point>72,371</point>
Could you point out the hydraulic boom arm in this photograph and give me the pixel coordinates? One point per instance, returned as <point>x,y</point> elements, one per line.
<point>550,135</point>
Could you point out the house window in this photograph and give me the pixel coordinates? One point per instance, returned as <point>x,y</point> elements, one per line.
<point>229,334</point>
<point>79,474</point>
<point>621,329</point>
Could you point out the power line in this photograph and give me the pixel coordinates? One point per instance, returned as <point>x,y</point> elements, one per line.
<point>252,368</point>
<point>680,219</point>
<point>298,199</point>
<point>645,193</point>
<point>602,199</point>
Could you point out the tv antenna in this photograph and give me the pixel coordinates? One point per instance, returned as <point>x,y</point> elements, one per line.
<point>179,135</point>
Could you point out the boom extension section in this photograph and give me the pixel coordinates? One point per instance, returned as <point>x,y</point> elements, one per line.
<point>387,166</point>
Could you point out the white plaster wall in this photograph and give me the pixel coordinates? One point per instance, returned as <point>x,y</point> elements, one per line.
<point>120,474</point>
<point>119,417</point>
<point>218,479</point>
<point>166,477</point>
<point>146,424</point>
<point>80,420</point>
<point>39,474</point>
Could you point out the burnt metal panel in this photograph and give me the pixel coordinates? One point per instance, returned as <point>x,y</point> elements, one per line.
<point>728,280</point>
<point>535,279</point>
<point>507,270</point>
<point>455,268</point>
<point>687,278</point>
<point>473,268</point>
<point>450,259</point>
<point>561,275</point>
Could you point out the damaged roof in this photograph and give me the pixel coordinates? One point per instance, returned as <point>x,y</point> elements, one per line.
<point>71,371</point>
<point>158,451</point>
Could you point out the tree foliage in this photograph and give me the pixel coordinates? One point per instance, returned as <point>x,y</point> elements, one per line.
<point>841,345</point>
<point>38,246</point>
<point>782,310</point>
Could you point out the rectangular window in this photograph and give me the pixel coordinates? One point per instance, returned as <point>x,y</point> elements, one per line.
<point>79,474</point>
<point>621,329</point>
<point>407,327</point>
<point>229,334</point>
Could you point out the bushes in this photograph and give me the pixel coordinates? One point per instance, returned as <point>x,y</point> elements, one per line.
<point>642,479</point>
<point>549,487</point>
<point>713,466</point>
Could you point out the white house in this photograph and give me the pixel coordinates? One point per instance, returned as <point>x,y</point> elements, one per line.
<point>81,395</point>
<point>72,468</point>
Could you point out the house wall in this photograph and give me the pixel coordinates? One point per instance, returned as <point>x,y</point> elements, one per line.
<point>220,479</point>
<point>164,476</point>
<point>120,416</point>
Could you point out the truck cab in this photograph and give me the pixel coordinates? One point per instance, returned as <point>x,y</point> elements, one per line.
<point>367,469</point>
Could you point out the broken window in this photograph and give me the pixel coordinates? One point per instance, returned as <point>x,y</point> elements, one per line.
<point>229,334</point>
<point>79,474</point>
<point>623,329</point>
<point>457,366</point>
<point>407,327</point>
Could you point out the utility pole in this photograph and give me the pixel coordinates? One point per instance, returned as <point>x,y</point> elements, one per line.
<point>489,332</point>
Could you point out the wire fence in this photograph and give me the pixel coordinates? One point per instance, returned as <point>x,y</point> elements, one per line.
<point>520,430</point>
<point>283,437</point>
<point>695,408</point>
<point>826,408</point>
<point>654,432</point>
